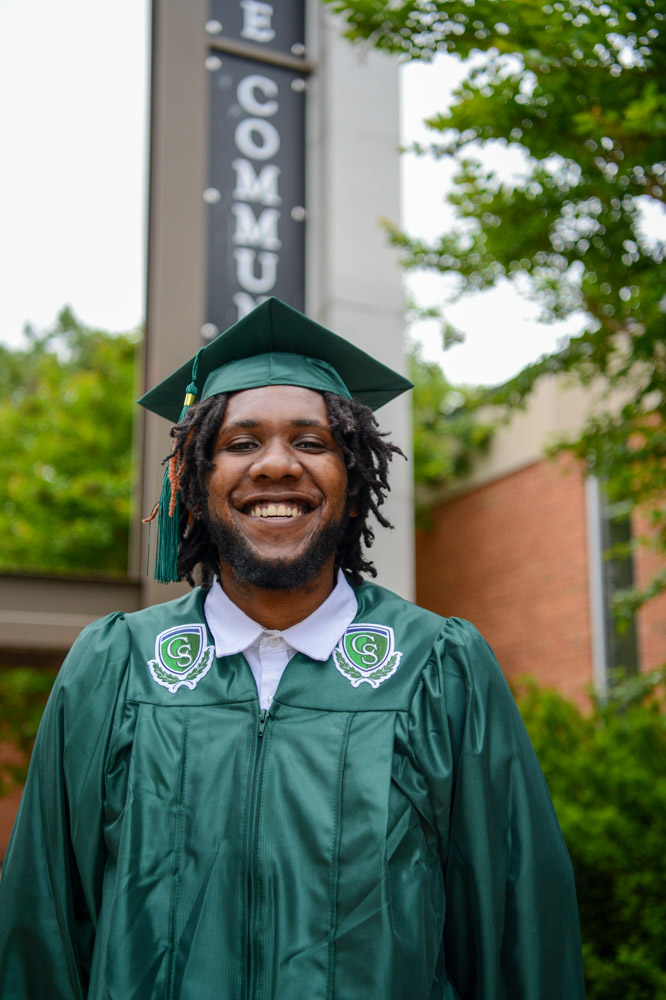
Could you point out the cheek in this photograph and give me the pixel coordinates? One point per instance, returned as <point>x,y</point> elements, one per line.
<point>217,487</point>
<point>338,482</point>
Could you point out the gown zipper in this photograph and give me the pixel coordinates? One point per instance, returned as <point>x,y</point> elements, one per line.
<point>263,719</point>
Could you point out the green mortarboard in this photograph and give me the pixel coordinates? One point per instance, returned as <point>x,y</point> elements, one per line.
<point>277,345</point>
<point>273,345</point>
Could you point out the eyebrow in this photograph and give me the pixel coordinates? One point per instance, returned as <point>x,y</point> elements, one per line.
<point>249,424</point>
<point>307,422</point>
<point>240,425</point>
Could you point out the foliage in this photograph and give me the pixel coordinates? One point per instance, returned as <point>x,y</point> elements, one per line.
<point>66,411</point>
<point>23,694</point>
<point>577,87</point>
<point>447,434</point>
<point>607,775</point>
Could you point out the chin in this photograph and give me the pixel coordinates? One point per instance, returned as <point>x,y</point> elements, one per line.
<point>277,573</point>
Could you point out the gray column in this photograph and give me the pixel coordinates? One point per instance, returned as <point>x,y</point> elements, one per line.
<point>176,236</point>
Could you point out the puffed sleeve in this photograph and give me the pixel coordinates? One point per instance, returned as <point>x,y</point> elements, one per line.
<point>52,876</point>
<point>511,925</point>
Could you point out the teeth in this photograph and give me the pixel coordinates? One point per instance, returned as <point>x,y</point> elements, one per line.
<point>275,510</point>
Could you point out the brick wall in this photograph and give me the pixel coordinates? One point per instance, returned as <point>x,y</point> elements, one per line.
<point>512,557</point>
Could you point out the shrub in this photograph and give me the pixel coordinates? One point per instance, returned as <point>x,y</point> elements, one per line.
<point>607,775</point>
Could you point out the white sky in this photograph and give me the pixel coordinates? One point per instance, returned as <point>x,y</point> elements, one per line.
<point>73,184</point>
<point>72,161</point>
<point>501,327</point>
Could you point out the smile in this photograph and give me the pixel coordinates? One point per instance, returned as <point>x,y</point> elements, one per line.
<point>286,509</point>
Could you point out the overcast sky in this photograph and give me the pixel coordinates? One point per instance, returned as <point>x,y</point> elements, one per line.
<point>73,184</point>
<point>72,164</point>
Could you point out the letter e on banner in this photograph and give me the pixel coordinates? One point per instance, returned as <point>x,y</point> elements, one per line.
<point>257,21</point>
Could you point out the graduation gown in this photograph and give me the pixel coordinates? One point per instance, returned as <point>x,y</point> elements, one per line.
<point>384,832</point>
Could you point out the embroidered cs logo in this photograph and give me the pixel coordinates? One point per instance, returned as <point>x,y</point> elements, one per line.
<point>181,657</point>
<point>365,653</point>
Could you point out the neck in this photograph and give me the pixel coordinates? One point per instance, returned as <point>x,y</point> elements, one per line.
<point>278,609</point>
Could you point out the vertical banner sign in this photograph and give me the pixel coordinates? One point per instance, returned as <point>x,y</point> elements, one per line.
<point>256,180</point>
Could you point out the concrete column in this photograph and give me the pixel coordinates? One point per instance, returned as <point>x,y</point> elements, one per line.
<point>177,234</point>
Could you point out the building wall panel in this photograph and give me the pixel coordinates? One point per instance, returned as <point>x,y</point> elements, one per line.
<point>511,556</point>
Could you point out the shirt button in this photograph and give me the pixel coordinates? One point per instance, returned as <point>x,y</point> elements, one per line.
<point>274,641</point>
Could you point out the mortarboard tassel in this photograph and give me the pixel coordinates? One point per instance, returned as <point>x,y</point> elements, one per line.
<point>167,509</point>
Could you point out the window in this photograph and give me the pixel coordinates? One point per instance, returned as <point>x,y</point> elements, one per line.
<point>618,575</point>
<point>614,645</point>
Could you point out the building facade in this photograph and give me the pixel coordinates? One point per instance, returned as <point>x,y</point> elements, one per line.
<point>520,551</point>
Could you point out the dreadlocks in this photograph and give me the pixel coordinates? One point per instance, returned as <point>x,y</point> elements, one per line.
<point>366,454</point>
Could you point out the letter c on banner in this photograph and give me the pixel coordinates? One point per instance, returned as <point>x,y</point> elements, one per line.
<point>245,93</point>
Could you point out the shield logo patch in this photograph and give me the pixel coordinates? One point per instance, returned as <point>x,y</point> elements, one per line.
<point>181,657</point>
<point>366,653</point>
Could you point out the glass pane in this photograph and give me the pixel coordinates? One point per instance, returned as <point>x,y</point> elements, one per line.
<point>618,575</point>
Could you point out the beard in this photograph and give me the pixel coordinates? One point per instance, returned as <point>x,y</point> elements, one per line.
<point>251,567</point>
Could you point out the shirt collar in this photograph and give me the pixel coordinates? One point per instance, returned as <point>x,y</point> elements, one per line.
<point>316,636</point>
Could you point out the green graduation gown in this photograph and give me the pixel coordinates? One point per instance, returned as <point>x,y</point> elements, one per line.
<point>389,838</point>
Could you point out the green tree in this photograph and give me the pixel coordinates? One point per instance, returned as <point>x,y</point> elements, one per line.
<point>578,86</point>
<point>66,404</point>
<point>447,435</point>
<point>607,774</point>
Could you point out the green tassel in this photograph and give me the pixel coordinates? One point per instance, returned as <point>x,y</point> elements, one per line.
<point>167,541</point>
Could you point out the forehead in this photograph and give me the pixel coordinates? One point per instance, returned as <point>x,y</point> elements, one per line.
<point>271,403</point>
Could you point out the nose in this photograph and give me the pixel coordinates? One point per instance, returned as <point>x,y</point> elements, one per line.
<point>277,460</point>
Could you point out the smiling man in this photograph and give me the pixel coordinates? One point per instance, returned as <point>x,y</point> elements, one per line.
<point>277,500</point>
<point>290,783</point>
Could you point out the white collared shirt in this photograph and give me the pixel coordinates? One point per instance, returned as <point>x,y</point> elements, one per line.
<point>268,651</point>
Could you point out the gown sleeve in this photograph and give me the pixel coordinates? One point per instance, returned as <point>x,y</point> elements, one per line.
<point>511,923</point>
<point>52,876</point>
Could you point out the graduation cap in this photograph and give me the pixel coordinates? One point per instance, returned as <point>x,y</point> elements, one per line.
<point>277,345</point>
<point>273,345</point>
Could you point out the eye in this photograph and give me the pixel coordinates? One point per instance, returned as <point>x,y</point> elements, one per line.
<point>311,444</point>
<point>246,444</point>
